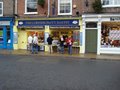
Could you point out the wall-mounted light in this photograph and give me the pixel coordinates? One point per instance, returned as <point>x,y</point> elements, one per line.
<point>74,6</point>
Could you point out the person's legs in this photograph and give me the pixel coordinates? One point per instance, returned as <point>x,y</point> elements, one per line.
<point>51,49</point>
<point>70,49</point>
<point>36,48</point>
<point>62,49</point>
<point>32,49</point>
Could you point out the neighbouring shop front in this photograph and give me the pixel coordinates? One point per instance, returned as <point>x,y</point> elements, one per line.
<point>43,28</point>
<point>101,34</point>
<point>6,33</point>
<point>110,35</point>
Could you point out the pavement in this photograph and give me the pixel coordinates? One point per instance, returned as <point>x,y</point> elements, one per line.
<point>83,56</point>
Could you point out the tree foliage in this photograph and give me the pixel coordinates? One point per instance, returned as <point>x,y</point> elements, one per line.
<point>97,6</point>
<point>41,2</point>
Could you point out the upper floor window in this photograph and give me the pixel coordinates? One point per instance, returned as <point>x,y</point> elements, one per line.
<point>1,8</point>
<point>111,3</point>
<point>30,6</point>
<point>64,7</point>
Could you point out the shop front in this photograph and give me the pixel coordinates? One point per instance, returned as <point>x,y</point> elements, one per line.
<point>43,28</point>
<point>66,28</point>
<point>110,35</point>
<point>101,34</point>
<point>6,33</point>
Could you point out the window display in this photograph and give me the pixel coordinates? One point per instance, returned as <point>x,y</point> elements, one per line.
<point>110,36</point>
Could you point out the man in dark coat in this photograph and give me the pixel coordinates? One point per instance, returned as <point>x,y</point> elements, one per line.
<point>49,40</point>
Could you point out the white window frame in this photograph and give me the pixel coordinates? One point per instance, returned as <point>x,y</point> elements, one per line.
<point>26,9</point>
<point>1,9</point>
<point>64,13</point>
<point>110,5</point>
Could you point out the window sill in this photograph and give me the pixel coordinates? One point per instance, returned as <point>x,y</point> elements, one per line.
<point>109,6</point>
<point>31,13</point>
<point>64,13</point>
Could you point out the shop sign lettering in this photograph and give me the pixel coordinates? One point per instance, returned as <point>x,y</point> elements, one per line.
<point>4,22</point>
<point>48,22</point>
<point>115,19</point>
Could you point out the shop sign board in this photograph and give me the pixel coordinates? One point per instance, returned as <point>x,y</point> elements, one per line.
<point>114,18</point>
<point>71,22</point>
<point>4,23</point>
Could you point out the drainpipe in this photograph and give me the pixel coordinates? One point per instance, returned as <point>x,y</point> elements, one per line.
<point>48,8</point>
<point>15,6</point>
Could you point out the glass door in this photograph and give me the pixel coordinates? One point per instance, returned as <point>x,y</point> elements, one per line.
<point>1,37</point>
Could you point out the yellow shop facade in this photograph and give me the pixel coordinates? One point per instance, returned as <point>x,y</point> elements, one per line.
<point>45,27</point>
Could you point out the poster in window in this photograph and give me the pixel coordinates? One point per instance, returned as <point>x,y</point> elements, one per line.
<point>15,39</point>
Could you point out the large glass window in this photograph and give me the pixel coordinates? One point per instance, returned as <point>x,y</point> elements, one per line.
<point>1,35</point>
<point>111,3</point>
<point>1,8</point>
<point>64,7</point>
<point>110,35</point>
<point>31,6</point>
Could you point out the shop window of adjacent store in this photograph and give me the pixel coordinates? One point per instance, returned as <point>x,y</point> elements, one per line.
<point>110,35</point>
<point>30,6</point>
<point>1,35</point>
<point>91,24</point>
<point>64,7</point>
<point>1,8</point>
<point>8,35</point>
<point>111,3</point>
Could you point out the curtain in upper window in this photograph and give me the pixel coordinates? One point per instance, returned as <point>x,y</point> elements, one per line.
<point>31,6</point>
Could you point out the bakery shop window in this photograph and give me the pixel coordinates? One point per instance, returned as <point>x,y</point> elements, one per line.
<point>110,35</point>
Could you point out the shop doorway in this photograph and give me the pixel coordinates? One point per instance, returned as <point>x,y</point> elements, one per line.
<point>40,35</point>
<point>91,41</point>
<point>6,37</point>
<point>22,40</point>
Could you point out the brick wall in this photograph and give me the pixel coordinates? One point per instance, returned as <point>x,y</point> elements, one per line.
<point>80,7</point>
<point>7,7</point>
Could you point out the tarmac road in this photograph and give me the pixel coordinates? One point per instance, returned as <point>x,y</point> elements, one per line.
<point>58,73</point>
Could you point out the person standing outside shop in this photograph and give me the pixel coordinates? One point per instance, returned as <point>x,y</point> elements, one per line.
<point>69,43</point>
<point>35,44</point>
<point>30,39</point>
<point>49,40</point>
<point>62,44</point>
